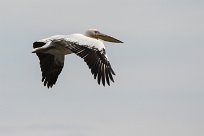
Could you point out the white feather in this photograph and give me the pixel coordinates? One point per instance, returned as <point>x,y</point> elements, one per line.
<point>85,41</point>
<point>79,39</point>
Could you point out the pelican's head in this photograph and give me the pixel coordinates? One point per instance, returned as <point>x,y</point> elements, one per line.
<point>94,33</point>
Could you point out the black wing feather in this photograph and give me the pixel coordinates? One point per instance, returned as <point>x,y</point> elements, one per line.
<point>96,61</point>
<point>50,70</point>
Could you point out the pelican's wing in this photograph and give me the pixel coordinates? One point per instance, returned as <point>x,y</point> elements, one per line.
<point>51,65</point>
<point>96,59</point>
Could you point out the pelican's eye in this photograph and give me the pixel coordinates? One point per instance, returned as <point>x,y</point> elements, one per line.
<point>96,32</point>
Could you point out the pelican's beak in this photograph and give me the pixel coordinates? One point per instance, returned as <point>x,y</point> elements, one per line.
<point>108,38</point>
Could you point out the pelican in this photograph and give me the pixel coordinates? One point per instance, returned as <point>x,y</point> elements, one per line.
<point>51,52</point>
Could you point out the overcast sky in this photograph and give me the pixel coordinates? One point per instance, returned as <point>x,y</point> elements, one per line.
<point>159,82</point>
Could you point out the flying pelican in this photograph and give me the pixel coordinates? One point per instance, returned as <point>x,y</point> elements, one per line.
<point>51,53</point>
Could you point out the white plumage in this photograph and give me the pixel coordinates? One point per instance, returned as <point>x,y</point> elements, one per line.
<point>51,52</point>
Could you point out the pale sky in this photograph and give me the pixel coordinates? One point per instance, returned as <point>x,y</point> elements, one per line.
<point>159,82</point>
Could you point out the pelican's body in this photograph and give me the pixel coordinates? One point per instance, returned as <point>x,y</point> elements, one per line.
<point>51,52</point>
<point>79,39</point>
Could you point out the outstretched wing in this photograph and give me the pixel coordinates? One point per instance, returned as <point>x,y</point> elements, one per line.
<point>51,65</point>
<point>96,60</point>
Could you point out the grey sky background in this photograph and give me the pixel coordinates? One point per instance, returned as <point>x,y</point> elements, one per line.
<point>159,82</point>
